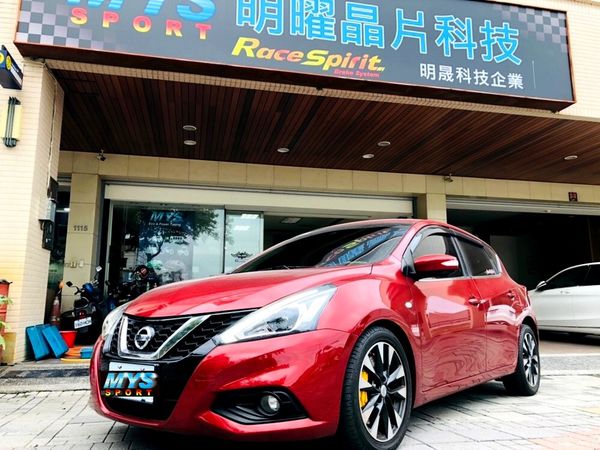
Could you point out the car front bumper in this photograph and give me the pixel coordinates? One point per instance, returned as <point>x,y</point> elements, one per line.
<point>310,366</point>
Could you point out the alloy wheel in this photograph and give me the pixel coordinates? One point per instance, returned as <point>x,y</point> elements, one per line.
<point>531,362</point>
<point>382,392</point>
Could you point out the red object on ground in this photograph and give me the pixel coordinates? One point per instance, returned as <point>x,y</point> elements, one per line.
<point>4,287</point>
<point>69,337</point>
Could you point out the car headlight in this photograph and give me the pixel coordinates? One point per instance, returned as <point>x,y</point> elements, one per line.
<point>111,321</point>
<point>294,314</point>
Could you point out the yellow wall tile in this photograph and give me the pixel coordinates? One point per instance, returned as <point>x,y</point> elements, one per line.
<point>204,171</point>
<point>519,190</point>
<point>496,188</point>
<point>232,174</point>
<point>85,163</point>
<point>339,180</point>
<point>65,162</point>
<point>259,175</point>
<point>143,167</point>
<point>172,169</point>
<point>436,184</point>
<point>390,183</point>
<point>474,187</point>
<point>432,206</point>
<point>456,187</point>
<point>585,193</point>
<point>114,166</point>
<point>560,192</point>
<point>364,181</point>
<point>313,178</point>
<point>287,177</point>
<point>414,184</point>
<point>84,188</point>
<point>540,191</point>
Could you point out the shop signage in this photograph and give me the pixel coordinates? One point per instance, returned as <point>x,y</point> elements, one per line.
<point>453,45</point>
<point>11,76</point>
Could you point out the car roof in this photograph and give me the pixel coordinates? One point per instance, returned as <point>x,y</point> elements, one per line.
<point>594,263</point>
<point>390,222</point>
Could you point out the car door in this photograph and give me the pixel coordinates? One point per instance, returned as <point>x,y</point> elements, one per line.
<point>553,301</point>
<point>585,300</point>
<point>452,329</point>
<point>501,301</point>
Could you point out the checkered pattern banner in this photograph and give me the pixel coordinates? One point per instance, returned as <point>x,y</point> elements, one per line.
<point>49,23</point>
<point>546,26</point>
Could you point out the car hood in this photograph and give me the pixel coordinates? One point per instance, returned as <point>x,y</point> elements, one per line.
<point>235,291</point>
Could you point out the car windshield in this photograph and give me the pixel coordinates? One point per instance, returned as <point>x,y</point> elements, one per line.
<point>341,247</point>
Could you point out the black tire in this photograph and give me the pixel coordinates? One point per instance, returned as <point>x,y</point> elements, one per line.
<point>526,379</point>
<point>352,430</point>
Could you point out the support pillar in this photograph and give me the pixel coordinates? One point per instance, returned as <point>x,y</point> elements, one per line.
<point>432,206</point>
<point>81,254</point>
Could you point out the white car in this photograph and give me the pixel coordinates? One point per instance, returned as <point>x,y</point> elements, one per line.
<point>570,300</point>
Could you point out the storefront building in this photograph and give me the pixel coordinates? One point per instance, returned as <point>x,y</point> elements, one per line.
<point>190,135</point>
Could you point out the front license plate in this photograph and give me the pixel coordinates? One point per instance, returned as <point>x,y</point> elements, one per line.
<point>85,322</point>
<point>134,382</point>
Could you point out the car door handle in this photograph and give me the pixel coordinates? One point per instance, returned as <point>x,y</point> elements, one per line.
<point>475,301</point>
<point>511,295</point>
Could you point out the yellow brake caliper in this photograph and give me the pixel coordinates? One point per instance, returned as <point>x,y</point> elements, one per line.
<point>364,398</point>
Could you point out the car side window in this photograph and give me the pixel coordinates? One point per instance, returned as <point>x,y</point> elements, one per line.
<point>479,259</point>
<point>437,244</point>
<point>593,276</point>
<point>568,278</point>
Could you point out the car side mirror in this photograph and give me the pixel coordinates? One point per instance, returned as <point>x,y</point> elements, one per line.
<point>432,264</point>
<point>541,286</point>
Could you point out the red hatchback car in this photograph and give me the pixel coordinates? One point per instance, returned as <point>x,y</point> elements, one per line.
<point>339,331</point>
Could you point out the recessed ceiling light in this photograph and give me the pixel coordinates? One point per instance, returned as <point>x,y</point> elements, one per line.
<point>283,150</point>
<point>369,156</point>
<point>189,128</point>
<point>189,142</point>
<point>384,144</point>
<point>291,220</point>
<point>571,157</point>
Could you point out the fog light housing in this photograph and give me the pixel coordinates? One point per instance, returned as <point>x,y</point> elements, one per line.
<point>270,404</point>
<point>257,406</point>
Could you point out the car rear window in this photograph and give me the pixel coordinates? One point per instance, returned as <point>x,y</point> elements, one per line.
<point>341,247</point>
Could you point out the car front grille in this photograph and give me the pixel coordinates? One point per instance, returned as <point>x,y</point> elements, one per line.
<point>163,330</point>
<point>208,329</point>
<point>212,326</point>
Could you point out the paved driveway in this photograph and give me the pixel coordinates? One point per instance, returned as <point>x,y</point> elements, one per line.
<point>564,415</point>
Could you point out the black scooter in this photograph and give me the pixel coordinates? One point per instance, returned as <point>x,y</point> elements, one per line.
<point>88,312</point>
<point>143,279</point>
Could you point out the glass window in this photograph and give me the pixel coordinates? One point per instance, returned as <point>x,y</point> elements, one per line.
<point>593,276</point>
<point>480,262</point>
<point>177,244</point>
<point>341,247</point>
<point>435,244</point>
<point>438,244</point>
<point>243,238</point>
<point>568,278</point>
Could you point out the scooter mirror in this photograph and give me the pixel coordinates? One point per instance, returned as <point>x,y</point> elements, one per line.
<point>99,269</point>
<point>69,284</point>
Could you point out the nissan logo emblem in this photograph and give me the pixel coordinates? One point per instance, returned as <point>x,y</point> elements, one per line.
<point>143,337</point>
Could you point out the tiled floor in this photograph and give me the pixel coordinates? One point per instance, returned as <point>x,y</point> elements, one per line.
<point>564,415</point>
